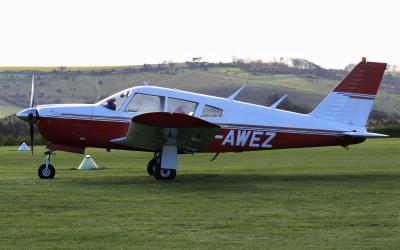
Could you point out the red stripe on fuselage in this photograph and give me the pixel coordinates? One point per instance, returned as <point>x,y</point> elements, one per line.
<point>233,140</point>
<point>93,133</point>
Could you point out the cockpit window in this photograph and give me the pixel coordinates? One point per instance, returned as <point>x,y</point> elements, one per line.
<point>116,101</point>
<point>210,111</point>
<point>181,106</point>
<point>143,103</point>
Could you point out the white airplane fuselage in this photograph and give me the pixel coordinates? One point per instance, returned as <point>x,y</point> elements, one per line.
<point>244,126</point>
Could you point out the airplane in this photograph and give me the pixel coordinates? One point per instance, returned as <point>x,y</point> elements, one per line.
<point>169,122</point>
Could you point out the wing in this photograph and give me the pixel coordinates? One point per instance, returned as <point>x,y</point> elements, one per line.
<point>151,131</point>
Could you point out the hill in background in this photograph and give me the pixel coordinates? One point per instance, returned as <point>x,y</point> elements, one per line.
<point>305,83</point>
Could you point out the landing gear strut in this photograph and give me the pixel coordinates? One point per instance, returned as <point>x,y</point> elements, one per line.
<point>46,170</point>
<point>154,168</point>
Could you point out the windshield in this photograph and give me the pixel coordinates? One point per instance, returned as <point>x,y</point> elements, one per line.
<point>115,102</point>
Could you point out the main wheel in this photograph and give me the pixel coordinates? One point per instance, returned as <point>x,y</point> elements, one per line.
<point>151,166</point>
<point>46,173</point>
<point>164,174</point>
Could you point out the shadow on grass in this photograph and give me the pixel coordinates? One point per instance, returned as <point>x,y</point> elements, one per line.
<point>215,182</point>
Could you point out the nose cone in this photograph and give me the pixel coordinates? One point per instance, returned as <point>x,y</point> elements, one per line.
<point>28,114</point>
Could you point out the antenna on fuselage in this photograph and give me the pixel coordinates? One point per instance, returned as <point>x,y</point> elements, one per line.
<point>276,104</point>
<point>146,83</point>
<point>237,92</point>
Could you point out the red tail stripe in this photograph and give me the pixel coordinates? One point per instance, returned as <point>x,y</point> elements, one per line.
<point>364,79</point>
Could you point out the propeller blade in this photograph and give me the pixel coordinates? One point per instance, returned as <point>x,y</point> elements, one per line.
<point>32,119</point>
<point>32,130</point>
<point>32,92</point>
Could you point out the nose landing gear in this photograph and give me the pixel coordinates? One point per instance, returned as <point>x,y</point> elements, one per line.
<point>46,170</point>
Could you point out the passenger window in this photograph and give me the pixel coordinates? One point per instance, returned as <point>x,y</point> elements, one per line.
<point>210,111</point>
<point>181,106</point>
<point>143,103</point>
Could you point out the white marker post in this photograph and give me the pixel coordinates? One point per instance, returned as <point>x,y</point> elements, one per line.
<point>23,147</point>
<point>88,164</point>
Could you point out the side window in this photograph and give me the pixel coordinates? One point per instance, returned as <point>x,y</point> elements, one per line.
<point>143,103</point>
<point>210,111</point>
<point>181,106</point>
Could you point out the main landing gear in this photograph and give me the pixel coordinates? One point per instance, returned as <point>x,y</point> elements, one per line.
<point>46,170</point>
<point>154,168</point>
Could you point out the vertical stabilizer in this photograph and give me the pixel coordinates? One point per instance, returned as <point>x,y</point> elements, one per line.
<point>352,100</point>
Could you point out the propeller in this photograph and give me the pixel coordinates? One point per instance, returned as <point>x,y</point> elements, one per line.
<point>32,119</point>
<point>30,114</point>
<point>32,91</point>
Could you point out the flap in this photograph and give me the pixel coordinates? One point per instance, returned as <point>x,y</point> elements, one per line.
<point>151,131</point>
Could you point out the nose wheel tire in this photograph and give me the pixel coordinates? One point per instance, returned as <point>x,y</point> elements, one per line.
<point>164,174</point>
<point>46,173</point>
<point>151,166</point>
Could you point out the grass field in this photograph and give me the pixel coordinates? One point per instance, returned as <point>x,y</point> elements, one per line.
<point>320,198</point>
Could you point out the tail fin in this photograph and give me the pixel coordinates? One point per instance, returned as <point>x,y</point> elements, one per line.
<point>352,100</point>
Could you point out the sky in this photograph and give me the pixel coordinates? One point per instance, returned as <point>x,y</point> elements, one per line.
<point>331,33</point>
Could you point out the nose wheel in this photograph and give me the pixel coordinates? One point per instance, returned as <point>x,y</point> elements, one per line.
<point>46,170</point>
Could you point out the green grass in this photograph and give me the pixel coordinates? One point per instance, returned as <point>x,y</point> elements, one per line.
<point>320,198</point>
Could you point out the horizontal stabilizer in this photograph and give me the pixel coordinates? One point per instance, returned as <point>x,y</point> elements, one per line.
<point>365,134</point>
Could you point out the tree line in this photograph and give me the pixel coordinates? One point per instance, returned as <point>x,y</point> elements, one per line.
<point>295,66</point>
<point>14,131</point>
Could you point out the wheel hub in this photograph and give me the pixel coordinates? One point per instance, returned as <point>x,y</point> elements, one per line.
<point>46,172</point>
<point>165,172</point>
